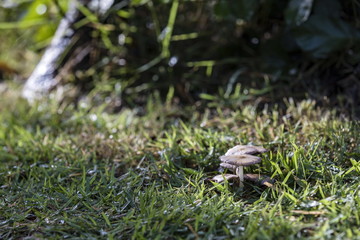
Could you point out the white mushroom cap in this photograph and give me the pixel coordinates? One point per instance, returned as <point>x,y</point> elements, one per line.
<point>245,149</point>
<point>240,160</point>
<point>221,178</point>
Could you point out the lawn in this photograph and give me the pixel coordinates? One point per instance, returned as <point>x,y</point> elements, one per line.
<point>78,172</point>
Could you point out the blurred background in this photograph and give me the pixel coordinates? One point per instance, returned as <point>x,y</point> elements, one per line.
<point>209,53</point>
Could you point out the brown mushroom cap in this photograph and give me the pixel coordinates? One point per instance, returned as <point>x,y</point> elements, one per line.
<point>240,160</point>
<point>245,149</point>
<point>221,178</point>
<point>228,166</point>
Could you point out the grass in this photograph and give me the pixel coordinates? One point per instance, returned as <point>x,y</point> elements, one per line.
<point>81,173</point>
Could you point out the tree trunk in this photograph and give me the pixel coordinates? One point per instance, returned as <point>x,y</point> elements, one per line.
<point>67,49</point>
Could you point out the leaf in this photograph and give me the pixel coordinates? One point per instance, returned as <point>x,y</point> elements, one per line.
<point>207,96</point>
<point>330,8</point>
<point>37,14</point>
<point>88,14</point>
<point>190,171</point>
<point>45,32</point>
<point>106,219</point>
<point>138,2</point>
<point>298,11</point>
<point>240,9</point>
<point>37,10</point>
<point>322,35</point>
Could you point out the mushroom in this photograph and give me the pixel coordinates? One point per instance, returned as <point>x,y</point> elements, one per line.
<point>223,177</point>
<point>228,166</point>
<point>245,149</point>
<point>239,161</point>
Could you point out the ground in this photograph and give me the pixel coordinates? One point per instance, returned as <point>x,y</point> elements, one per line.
<point>75,171</point>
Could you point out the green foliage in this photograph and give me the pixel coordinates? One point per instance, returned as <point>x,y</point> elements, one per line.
<point>197,47</point>
<point>236,10</point>
<point>27,27</point>
<point>42,14</point>
<point>321,36</point>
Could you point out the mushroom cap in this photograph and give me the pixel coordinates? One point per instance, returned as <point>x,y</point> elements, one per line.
<point>228,166</point>
<point>245,149</point>
<point>240,160</point>
<point>221,178</point>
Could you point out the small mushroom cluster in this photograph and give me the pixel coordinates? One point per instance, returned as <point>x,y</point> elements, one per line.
<point>236,159</point>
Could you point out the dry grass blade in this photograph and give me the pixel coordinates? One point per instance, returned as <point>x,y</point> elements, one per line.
<point>302,212</point>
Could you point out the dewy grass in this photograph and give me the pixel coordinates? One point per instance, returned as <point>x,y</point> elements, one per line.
<point>80,173</point>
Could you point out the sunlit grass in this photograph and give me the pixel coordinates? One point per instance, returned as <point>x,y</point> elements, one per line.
<point>78,172</point>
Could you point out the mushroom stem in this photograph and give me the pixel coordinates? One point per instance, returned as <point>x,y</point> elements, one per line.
<point>240,173</point>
